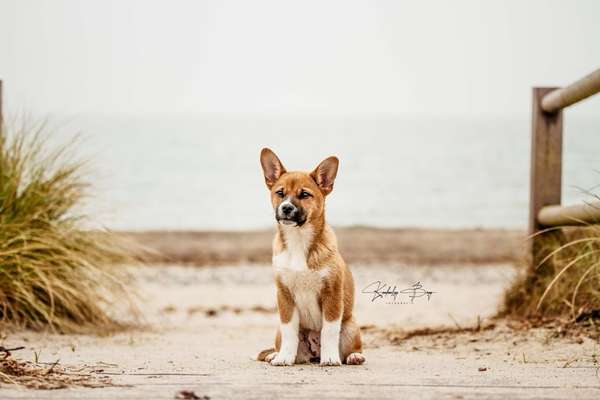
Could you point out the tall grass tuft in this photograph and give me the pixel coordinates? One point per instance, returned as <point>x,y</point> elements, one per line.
<point>566,280</point>
<point>53,272</point>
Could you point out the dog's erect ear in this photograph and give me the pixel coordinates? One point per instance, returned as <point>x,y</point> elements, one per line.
<point>272,167</point>
<point>325,174</point>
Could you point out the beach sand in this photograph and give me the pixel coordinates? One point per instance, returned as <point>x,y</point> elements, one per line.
<point>414,246</point>
<point>207,324</point>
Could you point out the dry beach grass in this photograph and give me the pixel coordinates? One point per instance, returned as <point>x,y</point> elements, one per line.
<point>34,375</point>
<point>565,282</point>
<point>53,273</point>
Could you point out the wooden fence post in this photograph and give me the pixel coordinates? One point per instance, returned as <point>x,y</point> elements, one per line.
<point>546,164</point>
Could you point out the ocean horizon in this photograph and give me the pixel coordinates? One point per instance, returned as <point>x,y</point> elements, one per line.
<point>203,172</point>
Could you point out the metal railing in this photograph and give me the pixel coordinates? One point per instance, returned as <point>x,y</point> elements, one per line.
<point>545,210</point>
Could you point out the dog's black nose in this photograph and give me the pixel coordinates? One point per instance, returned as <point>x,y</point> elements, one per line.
<point>287,209</point>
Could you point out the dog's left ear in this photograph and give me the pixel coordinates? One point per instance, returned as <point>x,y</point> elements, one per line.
<point>325,174</point>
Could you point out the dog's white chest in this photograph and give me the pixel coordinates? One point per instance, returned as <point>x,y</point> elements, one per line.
<point>304,284</point>
<point>305,287</point>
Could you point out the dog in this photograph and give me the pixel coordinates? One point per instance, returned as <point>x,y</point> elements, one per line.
<point>315,288</point>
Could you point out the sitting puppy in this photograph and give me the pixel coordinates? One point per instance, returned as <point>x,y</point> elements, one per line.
<point>315,289</point>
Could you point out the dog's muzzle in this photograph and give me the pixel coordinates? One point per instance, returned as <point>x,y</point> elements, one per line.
<point>288,214</point>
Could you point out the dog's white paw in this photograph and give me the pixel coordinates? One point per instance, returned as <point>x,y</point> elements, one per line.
<point>355,359</point>
<point>281,359</point>
<point>270,356</point>
<point>331,360</point>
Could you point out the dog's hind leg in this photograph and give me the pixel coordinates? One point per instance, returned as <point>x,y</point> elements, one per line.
<point>269,354</point>
<point>351,344</point>
<point>265,355</point>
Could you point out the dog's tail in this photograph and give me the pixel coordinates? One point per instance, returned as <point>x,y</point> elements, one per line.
<point>263,354</point>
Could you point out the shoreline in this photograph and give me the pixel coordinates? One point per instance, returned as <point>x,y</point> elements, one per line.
<point>358,245</point>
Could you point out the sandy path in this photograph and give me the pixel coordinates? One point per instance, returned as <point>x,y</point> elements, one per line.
<point>212,355</point>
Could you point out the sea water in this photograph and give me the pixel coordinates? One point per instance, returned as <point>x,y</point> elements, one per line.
<point>203,172</point>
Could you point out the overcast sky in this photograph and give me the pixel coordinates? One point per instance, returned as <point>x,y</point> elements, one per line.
<point>410,57</point>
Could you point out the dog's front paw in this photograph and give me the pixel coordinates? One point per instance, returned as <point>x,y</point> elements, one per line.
<point>281,359</point>
<point>330,360</point>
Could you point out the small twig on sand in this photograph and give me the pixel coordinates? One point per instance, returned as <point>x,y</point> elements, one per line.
<point>189,395</point>
<point>7,351</point>
<point>455,322</point>
<point>52,367</point>
<point>570,361</point>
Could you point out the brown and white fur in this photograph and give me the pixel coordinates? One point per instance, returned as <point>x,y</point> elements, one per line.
<point>315,289</point>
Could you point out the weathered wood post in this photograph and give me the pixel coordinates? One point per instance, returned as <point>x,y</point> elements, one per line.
<point>546,165</point>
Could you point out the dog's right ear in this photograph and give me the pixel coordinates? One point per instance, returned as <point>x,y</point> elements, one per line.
<point>272,167</point>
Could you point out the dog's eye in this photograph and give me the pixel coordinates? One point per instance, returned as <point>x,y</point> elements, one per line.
<point>279,193</point>
<point>304,194</point>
